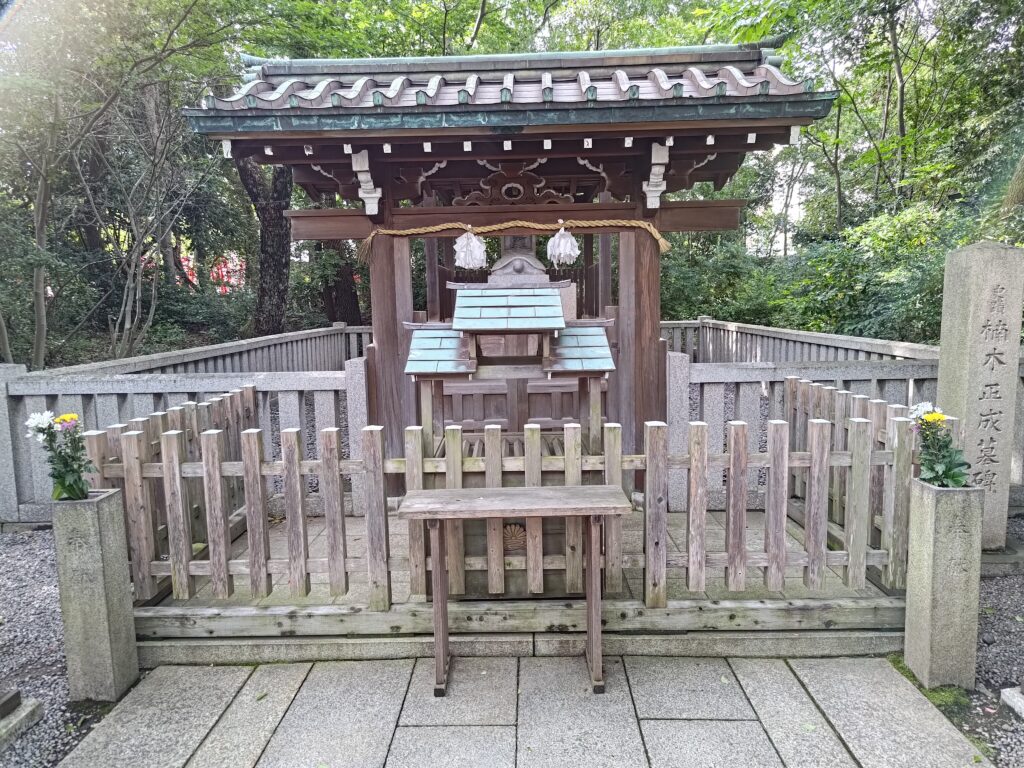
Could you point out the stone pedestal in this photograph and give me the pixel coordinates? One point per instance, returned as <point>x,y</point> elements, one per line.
<point>95,596</point>
<point>943,573</point>
<point>978,358</point>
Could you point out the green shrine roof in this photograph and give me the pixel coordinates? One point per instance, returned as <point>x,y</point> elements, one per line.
<point>503,310</point>
<point>682,83</point>
<point>580,349</point>
<point>439,351</point>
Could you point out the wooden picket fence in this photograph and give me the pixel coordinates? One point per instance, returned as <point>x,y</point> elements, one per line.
<point>848,423</point>
<point>806,483</point>
<point>165,521</point>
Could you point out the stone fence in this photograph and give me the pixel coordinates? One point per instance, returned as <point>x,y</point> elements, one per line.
<point>299,375</point>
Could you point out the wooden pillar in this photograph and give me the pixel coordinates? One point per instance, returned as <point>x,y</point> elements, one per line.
<point>604,266</point>
<point>433,287</point>
<point>588,307</point>
<point>391,305</point>
<point>604,271</point>
<point>641,366</point>
<point>446,251</point>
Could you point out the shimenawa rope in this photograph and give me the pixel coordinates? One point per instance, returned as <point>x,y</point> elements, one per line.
<point>663,244</point>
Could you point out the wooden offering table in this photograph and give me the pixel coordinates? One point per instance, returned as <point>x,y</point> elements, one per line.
<point>591,502</point>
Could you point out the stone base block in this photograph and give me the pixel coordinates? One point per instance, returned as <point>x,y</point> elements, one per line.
<point>95,597</point>
<point>1012,700</point>
<point>20,720</point>
<point>943,575</point>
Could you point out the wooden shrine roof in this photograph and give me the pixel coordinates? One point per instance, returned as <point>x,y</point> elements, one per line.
<point>580,349</point>
<point>439,352</point>
<point>504,310</point>
<point>513,128</point>
<point>510,82</point>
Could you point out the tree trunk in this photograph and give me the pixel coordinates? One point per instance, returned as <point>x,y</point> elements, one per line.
<point>5,342</point>
<point>345,298</point>
<point>901,101</point>
<point>1015,191</point>
<point>341,301</point>
<point>166,248</point>
<point>41,216</point>
<point>270,202</point>
<point>838,171</point>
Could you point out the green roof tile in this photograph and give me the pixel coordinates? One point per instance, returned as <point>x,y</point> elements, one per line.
<point>508,309</point>
<point>580,348</point>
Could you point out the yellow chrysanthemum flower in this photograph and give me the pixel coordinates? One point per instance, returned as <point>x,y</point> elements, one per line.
<point>934,417</point>
<point>66,417</point>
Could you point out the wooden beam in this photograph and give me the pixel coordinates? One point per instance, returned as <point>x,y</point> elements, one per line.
<point>409,144</point>
<point>479,617</point>
<point>680,216</point>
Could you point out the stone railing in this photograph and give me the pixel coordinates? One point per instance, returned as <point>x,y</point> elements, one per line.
<point>309,400</point>
<point>300,377</point>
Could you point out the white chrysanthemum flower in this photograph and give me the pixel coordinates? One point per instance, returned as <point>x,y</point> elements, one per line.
<point>38,421</point>
<point>563,248</point>
<point>920,409</point>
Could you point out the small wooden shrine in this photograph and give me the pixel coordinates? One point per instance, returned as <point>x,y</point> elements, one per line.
<point>515,146</point>
<point>517,326</point>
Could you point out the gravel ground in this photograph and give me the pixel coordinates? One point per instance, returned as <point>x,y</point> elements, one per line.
<point>1000,663</point>
<point>32,638</point>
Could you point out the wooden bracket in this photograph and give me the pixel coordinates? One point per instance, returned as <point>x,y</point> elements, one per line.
<point>369,193</point>
<point>656,185</point>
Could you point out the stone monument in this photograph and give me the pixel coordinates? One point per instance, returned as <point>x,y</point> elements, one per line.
<point>978,367</point>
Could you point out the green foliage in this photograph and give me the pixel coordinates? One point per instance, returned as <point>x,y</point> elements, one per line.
<point>845,233</point>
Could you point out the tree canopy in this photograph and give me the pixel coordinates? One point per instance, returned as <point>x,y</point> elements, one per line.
<point>118,226</point>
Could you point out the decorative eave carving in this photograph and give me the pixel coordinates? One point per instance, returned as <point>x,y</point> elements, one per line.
<point>512,183</point>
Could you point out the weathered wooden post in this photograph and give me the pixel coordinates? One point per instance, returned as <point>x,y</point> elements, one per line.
<point>357,404</point>
<point>677,406</point>
<point>978,367</point>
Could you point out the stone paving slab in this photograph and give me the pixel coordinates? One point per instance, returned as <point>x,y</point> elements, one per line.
<point>342,717</point>
<point>244,729</point>
<point>474,746</point>
<point>709,744</point>
<point>563,724</point>
<point>801,735</point>
<point>481,691</point>
<point>882,717</point>
<point>805,713</point>
<point>162,721</point>
<point>686,689</point>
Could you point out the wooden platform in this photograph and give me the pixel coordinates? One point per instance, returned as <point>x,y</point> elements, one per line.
<point>633,556</point>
